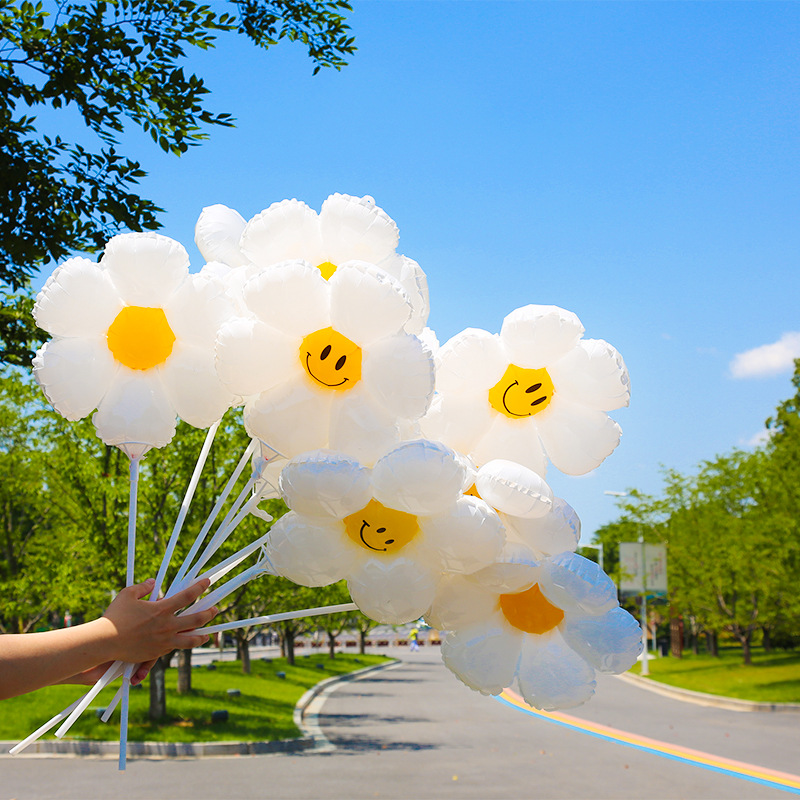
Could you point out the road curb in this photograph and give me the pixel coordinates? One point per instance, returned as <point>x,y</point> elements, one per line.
<point>312,738</point>
<point>703,699</point>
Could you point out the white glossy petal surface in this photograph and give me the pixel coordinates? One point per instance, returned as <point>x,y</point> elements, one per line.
<point>217,234</point>
<point>472,361</point>
<point>419,477</point>
<point>556,532</point>
<point>514,489</point>
<point>536,336</point>
<point>355,228</point>
<point>572,581</point>
<point>511,440</point>
<point>286,230</point>
<point>459,603</point>
<point>611,643</point>
<point>198,309</point>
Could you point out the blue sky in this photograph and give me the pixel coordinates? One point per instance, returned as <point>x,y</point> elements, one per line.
<point>635,162</point>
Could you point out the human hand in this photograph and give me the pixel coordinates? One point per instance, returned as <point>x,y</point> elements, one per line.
<point>141,630</point>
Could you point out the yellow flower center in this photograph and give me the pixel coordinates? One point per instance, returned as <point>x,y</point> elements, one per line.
<point>140,337</point>
<point>327,269</point>
<point>522,392</point>
<point>530,611</point>
<point>381,529</point>
<point>330,359</point>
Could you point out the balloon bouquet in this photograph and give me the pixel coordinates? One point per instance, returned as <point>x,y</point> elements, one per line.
<point>415,472</point>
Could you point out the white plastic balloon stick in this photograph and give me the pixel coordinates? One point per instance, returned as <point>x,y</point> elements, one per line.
<point>213,515</point>
<point>18,748</point>
<point>221,592</point>
<point>123,717</point>
<point>224,567</point>
<point>307,612</point>
<point>132,508</point>
<point>187,500</point>
<point>113,672</point>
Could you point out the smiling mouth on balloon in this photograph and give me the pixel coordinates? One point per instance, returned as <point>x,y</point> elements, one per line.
<point>319,380</point>
<point>513,414</point>
<point>365,524</point>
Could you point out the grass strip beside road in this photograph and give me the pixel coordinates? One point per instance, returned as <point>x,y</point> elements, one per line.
<point>772,678</point>
<point>262,711</point>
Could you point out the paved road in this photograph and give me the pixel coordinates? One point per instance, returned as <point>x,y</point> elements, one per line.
<point>415,732</point>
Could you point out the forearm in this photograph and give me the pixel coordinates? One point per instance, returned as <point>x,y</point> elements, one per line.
<point>30,661</point>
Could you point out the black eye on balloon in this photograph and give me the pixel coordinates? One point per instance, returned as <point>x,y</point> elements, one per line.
<point>340,362</point>
<point>389,541</point>
<point>380,530</point>
<point>325,352</point>
<point>533,388</point>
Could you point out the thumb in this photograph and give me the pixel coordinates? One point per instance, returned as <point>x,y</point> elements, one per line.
<point>140,590</point>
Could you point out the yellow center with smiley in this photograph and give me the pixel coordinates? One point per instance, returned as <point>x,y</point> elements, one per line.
<point>140,337</point>
<point>381,529</point>
<point>331,359</point>
<point>522,392</point>
<point>530,611</point>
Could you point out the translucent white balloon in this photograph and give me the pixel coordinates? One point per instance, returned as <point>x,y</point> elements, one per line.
<point>133,338</point>
<point>514,489</point>
<point>528,622</point>
<point>403,525</point>
<point>217,234</point>
<point>537,390</point>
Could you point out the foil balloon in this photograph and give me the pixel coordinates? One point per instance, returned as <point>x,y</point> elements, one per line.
<point>536,391</point>
<point>326,363</point>
<point>391,531</point>
<point>547,626</point>
<point>133,337</point>
<point>347,230</point>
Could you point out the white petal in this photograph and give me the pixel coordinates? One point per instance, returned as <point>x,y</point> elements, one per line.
<point>74,374</point>
<point>572,581</point>
<point>392,591</point>
<point>193,387</point>
<point>217,234</point>
<point>325,484</point>
<point>286,230</point>
<point>483,656</point>
<point>291,418</point>
<point>459,603</point>
<point>309,551</point>
<point>415,283</point>
<point>252,357</point>
<point>398,371</point>
<point>592,374</point>
<point>458,422</point>
<point>556,532</point>
<point>146,268</point>
<point>360,427</point>
<point>291,297</point>
<point>512,440</point>
<point>78,299</point>
<point>367,303</point>
<point>420,477</point>
<point>355,228</point>
<point>610,643</point>
<point>577,439</point>
<point>473,360</point>
<point>508,575</point>
<point>135,410</point>
<point>198,309</point>
<point>552,675</point>
<point>514,489</point>
<point>469,538</point>
<point>535,336</point>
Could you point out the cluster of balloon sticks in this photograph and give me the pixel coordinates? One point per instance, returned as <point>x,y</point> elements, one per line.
<point>414,471</point>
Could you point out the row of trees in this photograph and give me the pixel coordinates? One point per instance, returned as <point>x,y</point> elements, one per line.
<point>63,518</point>
<point>732,532</point>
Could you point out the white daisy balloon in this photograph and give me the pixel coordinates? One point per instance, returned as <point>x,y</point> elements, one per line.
<point>391,531</point>
<point>348,230</point>
<point>133,337</point>
<point>535,391</point>
<point>547,626</point>
<point>326,363</point>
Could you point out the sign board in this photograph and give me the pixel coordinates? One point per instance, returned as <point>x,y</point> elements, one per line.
<point>643,567</point>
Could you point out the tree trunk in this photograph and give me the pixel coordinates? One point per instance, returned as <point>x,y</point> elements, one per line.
<point>766,639</point>
<point>331,645</point>
<point>184,671</point>
<point>748,656</point>
<point>244,654</point>
<point>158,692</point>
<point>288,643</point>
<point>712,643</point>
<point>362,642</point>
<point>676,637</point>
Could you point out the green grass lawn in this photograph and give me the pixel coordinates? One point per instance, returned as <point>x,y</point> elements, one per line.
<point>263,711</point>
<point>773,677</point>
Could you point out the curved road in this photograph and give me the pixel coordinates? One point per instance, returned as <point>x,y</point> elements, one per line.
<point>414,731</point>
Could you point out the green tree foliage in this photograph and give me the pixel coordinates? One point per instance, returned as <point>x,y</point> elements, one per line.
<point>113,62</point>
<point>733,536</point>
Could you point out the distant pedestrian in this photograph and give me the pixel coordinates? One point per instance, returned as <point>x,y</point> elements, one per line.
<point>413,637</point>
